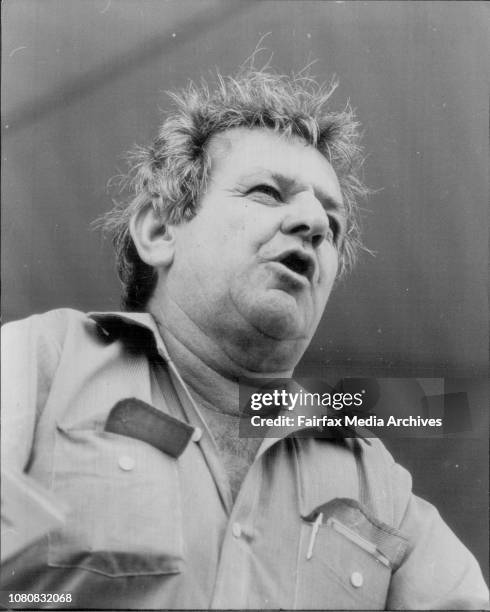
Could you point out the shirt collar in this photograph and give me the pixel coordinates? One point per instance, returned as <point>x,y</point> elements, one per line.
<point>140,329</point>
<point>124,325</point>
<point>349,433</point>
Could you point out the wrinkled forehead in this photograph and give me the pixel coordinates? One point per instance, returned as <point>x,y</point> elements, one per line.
<point>241,152</point>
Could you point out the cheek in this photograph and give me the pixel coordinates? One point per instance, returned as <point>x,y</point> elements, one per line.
<point>328,257</point>
<point>329,265</point>
<point>333,268</point>
<point>248,224</point>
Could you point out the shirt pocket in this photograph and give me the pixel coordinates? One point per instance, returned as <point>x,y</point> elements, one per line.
<point>125,505</point>
<point>346,559</point>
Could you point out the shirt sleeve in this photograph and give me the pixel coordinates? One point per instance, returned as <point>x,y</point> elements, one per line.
<point>30,351</point>
<point>439,572</point>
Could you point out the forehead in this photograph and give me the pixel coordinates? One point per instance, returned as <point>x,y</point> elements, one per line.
<point>247,154</point>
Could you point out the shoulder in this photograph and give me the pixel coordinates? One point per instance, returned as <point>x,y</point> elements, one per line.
<point>47,329</point>
<point>57,321</point>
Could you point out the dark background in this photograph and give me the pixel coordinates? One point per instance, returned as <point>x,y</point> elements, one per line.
<point>83,80</point>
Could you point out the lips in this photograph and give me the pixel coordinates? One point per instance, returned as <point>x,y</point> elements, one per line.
<point>298,261</point>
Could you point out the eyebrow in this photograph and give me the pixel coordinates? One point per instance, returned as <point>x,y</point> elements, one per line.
<point>286,182</point>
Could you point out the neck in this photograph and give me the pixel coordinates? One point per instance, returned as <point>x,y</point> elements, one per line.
<point>209,368</point>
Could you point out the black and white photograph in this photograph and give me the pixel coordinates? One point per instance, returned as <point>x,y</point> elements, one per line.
<point>245,337</point>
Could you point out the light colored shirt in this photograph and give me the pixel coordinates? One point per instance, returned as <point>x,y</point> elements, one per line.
<point>317,524</point>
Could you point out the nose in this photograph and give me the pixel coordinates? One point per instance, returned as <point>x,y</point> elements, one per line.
<point>306,218</point>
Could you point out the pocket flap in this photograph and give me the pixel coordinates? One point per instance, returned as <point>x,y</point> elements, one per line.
<point>134,418</point>
<point>350,519</point>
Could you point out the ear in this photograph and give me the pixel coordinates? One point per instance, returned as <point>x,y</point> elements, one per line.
<point>153,239</point>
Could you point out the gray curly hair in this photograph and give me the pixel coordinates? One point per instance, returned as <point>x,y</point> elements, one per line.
<point>171,174</point>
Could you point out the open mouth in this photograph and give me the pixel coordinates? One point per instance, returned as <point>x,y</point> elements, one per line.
<point>298,263</point>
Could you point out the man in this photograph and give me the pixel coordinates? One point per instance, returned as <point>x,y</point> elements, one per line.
<point>242,217</point>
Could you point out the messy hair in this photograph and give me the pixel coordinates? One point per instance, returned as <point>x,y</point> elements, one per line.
<point>171,174</point>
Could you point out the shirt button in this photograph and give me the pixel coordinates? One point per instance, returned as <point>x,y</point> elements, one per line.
<point>236,530</point>
<point>356,579</point>
<point>126,463</point>
<point>196,434</point>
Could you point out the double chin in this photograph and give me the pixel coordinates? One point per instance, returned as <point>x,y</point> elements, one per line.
<point>273,336</point>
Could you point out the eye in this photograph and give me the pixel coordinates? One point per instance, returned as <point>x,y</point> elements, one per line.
<point>267,191</point>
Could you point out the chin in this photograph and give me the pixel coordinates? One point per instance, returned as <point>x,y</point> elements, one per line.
<point>279,317</point>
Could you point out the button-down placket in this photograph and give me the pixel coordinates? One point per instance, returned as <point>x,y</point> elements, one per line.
<point>231,586</point>
<point>237,570</point>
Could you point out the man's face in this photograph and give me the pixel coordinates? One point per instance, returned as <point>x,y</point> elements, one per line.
<point>261,253</point>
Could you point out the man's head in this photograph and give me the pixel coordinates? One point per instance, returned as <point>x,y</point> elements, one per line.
<point>244,208</point>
